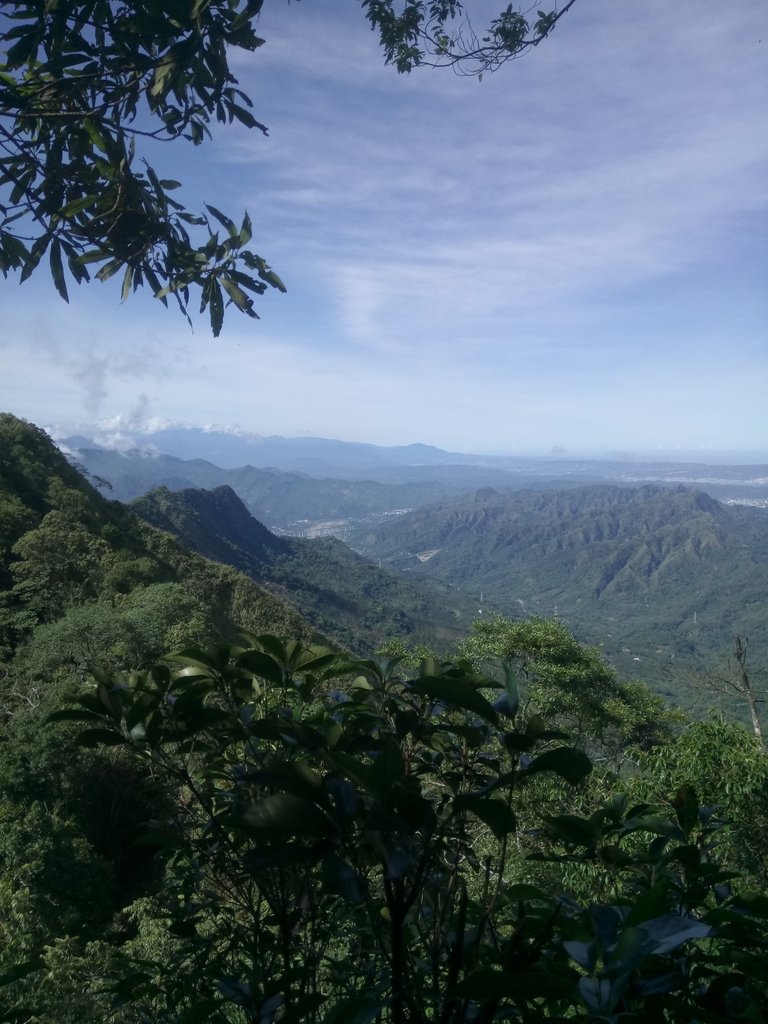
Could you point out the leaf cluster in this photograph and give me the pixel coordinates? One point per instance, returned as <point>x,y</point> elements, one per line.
<point>80,85</point>
<point>341,846</point>
<point>439,33</point>
<point>342,838</point>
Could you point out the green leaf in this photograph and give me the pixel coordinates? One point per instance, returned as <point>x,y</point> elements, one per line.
<point>456,693</point>
<point>496,814</point>
<point>127,282</point>
<point>649,904</point>
<point>655,824</point>
<point>217,309</point>
<point>78,205</point>
<point>99,738</point>
<point>21,970</point>
<point>584,953</point>
<point>224,220</point>
<point>92,256</point>
<point>686,804</point>
<point>35,255</point>
<point>287,814</point>
<point>246,117</point>
<point>574,830</point>
<point>246,230</point>
<point>340,877</point>
<point>388,767</point>
<point>668,932</point>
<point>109,269</point>
<point>525,892</point>
<point>202,1012</point>
<point>353,769</point>
<point>490,985</point>
<point>271,278</point>
<point>262,665</point>
<point>95,135</point>
<point>357,1009</point>
<point>237,295</point>
<point>512,689</point>
<point>212,659</point>
<point>569,763</point>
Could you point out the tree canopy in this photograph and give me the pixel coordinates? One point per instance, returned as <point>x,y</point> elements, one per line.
<point>84,84</point>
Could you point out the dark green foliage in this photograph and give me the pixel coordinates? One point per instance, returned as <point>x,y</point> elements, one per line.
<point>273,832</point>
<point>69,821</point>
<point>125,633</point>
<point>87,582</point>
<point>319,827</point>
<point>571,685</point>
<point>344,855</point>
<point>729,771</point>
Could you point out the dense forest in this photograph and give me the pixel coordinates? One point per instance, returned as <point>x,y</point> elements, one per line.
<point>661,578</point>
<point>217,808</point>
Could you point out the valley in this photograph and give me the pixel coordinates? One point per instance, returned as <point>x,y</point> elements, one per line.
<point>659,575</point>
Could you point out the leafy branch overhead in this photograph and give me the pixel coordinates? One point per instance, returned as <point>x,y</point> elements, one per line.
<point>82,84</point>
<point>441,34</point>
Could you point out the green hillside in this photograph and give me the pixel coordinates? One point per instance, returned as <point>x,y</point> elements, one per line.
<point>664,576</point>
<point>345,596</point>
<point>83,580</point>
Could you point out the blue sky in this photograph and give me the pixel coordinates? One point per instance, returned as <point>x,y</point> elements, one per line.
<point>572,252</point>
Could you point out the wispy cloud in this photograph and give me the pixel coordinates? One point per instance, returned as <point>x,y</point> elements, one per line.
<point>464,209</point>
<point>567,251</point>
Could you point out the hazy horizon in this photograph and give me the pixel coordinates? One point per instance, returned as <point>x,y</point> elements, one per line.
<point>115,435</point>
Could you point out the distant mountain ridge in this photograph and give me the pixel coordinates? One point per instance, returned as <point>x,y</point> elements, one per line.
<point>284,500</point>
<point>82,576</point>
<point>652,573</point>
<point>424,464</point>
<point>232,450</point>
<point>657,576</point>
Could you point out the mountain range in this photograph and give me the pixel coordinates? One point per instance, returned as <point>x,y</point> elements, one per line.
<point>445,472</point>
<point>653,575</point>
<point>302,504</point>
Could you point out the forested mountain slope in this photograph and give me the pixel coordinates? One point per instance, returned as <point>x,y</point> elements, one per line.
<point>345,596</point>
<point>83,580</point>
<point>649,573</point>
